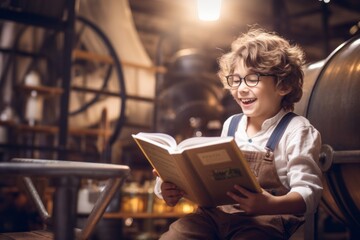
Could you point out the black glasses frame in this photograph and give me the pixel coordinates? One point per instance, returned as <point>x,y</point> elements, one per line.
<point>244,79</point>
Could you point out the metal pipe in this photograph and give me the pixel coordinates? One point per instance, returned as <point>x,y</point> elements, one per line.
<point>102,202</point>
<point>66,77</point>
<point>344,157</point>
<point>65,199</point>
<point>328,157</point>
<point>37,200</point>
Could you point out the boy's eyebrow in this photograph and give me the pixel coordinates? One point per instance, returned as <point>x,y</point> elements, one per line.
<point>249,72</point>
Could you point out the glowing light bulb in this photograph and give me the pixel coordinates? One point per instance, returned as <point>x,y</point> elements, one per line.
<point>209,10</point>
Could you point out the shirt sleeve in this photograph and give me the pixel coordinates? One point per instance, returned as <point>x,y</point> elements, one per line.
<point>157,187</point>
<point>225,127</point>
<point>303,172</point>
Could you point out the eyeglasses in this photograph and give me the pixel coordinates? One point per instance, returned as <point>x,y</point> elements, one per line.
<point>251,80</point>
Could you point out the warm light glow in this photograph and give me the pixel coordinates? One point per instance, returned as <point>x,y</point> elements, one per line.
<point>316,65</point>
<point>209,10</point>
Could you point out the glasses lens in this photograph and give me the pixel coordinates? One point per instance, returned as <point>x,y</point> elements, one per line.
<point>252,80</point>
<point>233,80</point>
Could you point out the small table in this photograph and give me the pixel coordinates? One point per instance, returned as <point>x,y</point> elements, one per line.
<point>66,176</point>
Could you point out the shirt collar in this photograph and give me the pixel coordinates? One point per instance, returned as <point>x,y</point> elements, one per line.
<point>268,122</point>
<point>274,120</point>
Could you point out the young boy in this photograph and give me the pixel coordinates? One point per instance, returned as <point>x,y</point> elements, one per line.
<point>263,73</point>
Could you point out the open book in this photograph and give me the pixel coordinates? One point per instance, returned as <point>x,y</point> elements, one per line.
<point>204,167</point>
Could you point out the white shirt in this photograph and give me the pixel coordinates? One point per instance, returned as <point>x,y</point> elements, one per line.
<point>296,155</point>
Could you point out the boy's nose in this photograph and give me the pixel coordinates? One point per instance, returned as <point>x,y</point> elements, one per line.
<point>242,87</point>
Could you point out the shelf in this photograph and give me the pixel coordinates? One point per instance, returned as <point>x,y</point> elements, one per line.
<point>7,123</point>
<point>41,90</point>
<point>110,93</point>
<point>32,19</point>
<point>7,189</point>
<point>36,128</point>
<point>143,215</point>
<point>54,130</point>
<point>22,53</point>
<point>84,55</point>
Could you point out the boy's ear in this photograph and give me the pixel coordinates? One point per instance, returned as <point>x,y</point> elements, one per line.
<point>285,90</point>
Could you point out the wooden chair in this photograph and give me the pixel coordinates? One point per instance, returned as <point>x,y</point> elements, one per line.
<point>66,176</point>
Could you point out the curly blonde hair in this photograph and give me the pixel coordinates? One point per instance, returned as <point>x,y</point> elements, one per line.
<point>267,53</point>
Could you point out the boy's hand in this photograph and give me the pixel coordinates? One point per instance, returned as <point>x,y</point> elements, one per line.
<point>265,204</point>
<point>171,193</point>
<point>251,203</point>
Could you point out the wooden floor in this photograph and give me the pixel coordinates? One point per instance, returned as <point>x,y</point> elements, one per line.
<point>34,235</point>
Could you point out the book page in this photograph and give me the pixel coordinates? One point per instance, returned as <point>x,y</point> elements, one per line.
<point>173,168</point>
<point>201,141</point>
<point>161,138</point>
<point>165,164</point>
<point>160,159</point>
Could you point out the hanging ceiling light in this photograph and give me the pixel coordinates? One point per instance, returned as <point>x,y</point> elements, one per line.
<point>209,10</point>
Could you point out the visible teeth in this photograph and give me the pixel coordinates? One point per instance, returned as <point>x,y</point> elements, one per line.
<point>248,100</point>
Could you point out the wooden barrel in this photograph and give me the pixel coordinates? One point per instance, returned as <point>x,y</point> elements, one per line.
<point>331,102</point>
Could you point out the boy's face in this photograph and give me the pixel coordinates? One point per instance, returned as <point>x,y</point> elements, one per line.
<point>260,102</point>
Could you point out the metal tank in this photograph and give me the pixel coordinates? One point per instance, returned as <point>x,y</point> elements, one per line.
<point>189,98</point>
<point>331,102</point>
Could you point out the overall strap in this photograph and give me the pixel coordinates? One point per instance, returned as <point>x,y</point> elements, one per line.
<point>234,122</point>
<point>279,131</point>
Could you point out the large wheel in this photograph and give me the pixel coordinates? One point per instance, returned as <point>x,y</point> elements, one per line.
<point>98,78</point>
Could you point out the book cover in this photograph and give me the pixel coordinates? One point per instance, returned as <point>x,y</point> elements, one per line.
<point>204,167</point>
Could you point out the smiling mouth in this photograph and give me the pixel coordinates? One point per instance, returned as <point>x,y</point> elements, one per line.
<point>247,100</point>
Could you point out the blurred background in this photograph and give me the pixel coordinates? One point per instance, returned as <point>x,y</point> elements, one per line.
<point>78,77</point>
